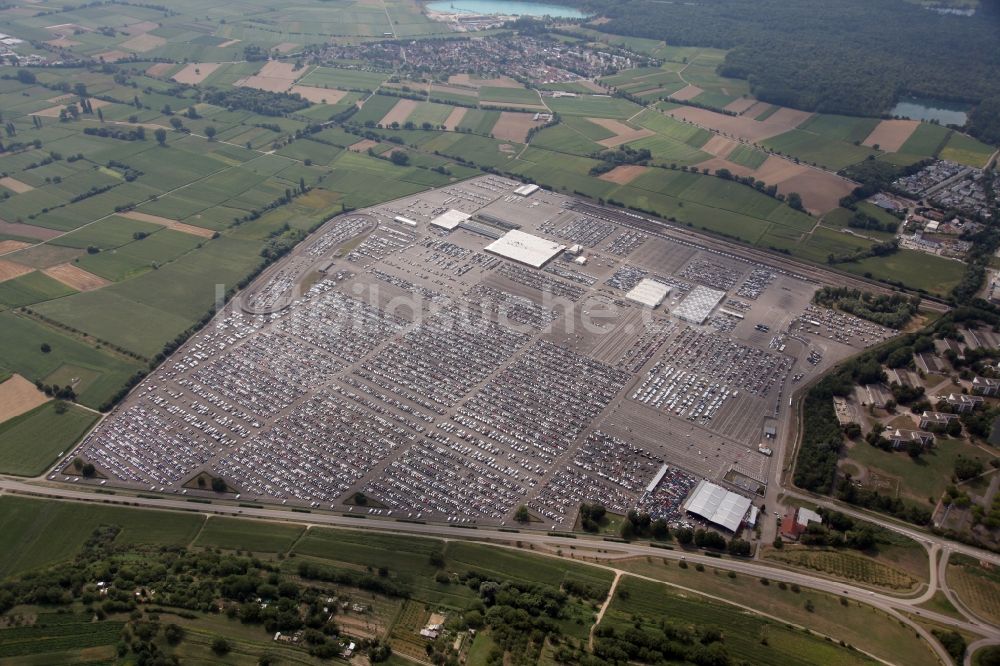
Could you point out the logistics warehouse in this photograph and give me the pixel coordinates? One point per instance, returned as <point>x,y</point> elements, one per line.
<point>524,248</point>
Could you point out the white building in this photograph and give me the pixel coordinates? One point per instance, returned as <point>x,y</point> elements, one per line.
<point>525,248</point>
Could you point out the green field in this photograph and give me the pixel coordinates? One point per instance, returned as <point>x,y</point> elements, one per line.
<point>593,106</point>
<point>20,342</point>
<point>257,537</point>
<point>31,288</point>
<point>509,96</point>
<point>923,478</point>
<point>917,270</point>
<point>743,634</point>
<point>826,152</point>
<point>31,442</point>
<point>345,79</point>
<point>966,150</point>
<point>49,532</point>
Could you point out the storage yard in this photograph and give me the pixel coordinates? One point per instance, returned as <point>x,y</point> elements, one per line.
<point>459,353</point>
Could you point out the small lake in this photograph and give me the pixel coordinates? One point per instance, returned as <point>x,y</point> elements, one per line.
<point>505,8</point>
<point>916,108</point>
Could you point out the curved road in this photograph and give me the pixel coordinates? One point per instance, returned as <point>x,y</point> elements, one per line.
<point>897,607</point>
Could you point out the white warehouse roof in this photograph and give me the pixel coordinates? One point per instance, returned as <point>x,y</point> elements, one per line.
<point>717,505</point>
<point>450,219</point>
<point>525,248</point>
<point>698,304</point>
<point>526,190</point>
<point>648,292</point>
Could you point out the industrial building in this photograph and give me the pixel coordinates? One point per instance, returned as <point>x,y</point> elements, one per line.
<point>450,219</point>
<point>526,190</point>
<point>525,248</point>
<point>648,292</point>
<point>698,304</point>
<point>718,505</point>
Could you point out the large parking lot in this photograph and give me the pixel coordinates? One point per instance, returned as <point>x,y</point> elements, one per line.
<point>400,361</point>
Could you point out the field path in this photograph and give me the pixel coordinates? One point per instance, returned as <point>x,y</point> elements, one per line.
<point>604,607</point>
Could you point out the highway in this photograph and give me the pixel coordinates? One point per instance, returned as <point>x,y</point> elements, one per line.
<point>901,608</point>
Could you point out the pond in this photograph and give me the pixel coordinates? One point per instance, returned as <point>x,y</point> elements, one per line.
<point>504,8</point>
<point>922,108</point>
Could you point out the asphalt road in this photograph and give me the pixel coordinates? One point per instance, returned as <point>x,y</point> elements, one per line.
<point>898,607</point>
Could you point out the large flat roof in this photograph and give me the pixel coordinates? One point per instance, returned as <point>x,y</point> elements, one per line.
<point>648,292</point>
<point>533,251</point>
<point>717,505</point>
<point>450,219</point>
<point>698,304</point>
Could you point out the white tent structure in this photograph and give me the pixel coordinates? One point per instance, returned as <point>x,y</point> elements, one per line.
<point>717,505</point>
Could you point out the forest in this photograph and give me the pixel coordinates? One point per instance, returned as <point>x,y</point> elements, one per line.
<point>852,57</point>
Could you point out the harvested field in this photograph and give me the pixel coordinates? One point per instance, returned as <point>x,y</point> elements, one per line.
<point>514,126</point>
<point>160,68</point>
<point>9,246</point>
<point>9,270</point>
<point>195,73</point>
<point>140,28</point>
<point>590,85</point>
<point>624,174</point>
<point>821,191</point>
<point>623,133</point>
<point>741,105</point>
<point>229,43</point>
<point>75,277</point>
<point>170,224</point>
<point>143,43</point>
<point>717,163</point>
<point>687,92</point>
<point>275,76</point>
<point>363,145</point>
<point>319,95</point>
<point>17,396</point>
<point>14,185</point>
<point>757,109</point>
<point>790,118</point>
<point>454,118</point>
<point>27,230</point>
<point>466,80</point>
<point>744,126</point>
<point>285,47</point>
<point>890,135</point>
<point>62,43</point>
<point>53,111</point>
<point>400,112</point>
<point>720,146</point>
<point>113,56</point>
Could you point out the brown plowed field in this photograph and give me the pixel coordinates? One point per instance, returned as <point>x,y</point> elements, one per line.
<point>623,133</point>
<point>195,72</point>
<point>890,135</point>
<point>400,112</point>
<point>514,126</point>
<point>319,95</point>
<point>9,270</point>
<point>624,174</point>
<point>75,277</point>
<point>17,396</point>
<point>687,92</point>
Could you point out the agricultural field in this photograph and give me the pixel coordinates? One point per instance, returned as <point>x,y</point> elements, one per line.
<point>50,532</point>
<point>743,634</point>
<point>846,565</point>
<point>870,630</point>
<point>977,586</point>
<point>32,442</point>
<point>258,537</point>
